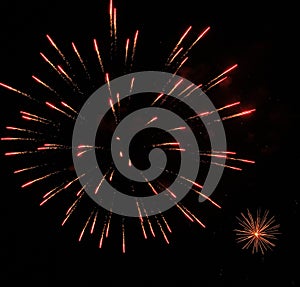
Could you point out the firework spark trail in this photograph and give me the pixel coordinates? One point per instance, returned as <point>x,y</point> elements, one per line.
<point>201,35</point>
<point>141,220</point>
<point>149,222</point>
<point>17,91</point>
<point>171,57</point>
<point>81,61</point>
<point>115,28</point>
<point>58,50</point>
<point>23,130</point>
<point>244,113</point>
<point>123,238</point>
<point>17,139</point>
<point>59,110</point>
<point>222,74</point>
<point>85,225</point>
<point>102,180</point>
<point>166,223</point>
<point>72,208</point>
<point>126,51</point>
<point>40,178</point>
<point>69,107</point>
<point>214,84</point>
<point>54,68</point>
<point>192,215</point>
<point>225,156</point>
<point>257,232</point>
<point>162,230</point>
<point>94,222</point>
<point>134,48</point>
<point>69,78</point>
<point>45,85</point>
<point>28,168</point>
<point>207,197</point>
<point>108,224</point>
<point>99,56</point>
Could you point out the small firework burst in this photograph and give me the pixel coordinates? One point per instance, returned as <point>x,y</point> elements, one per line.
<point>257,233</point>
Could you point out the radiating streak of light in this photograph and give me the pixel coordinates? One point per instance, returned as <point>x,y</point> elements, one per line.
<point>81,60</point>
<point>166,223</point>
<point>149,223</point>
<point>175,86</point>
<point>191,181</point>
<point>150,185</point>
<point>159,96</point>
<point>151,121</point>
<point>175,149</point>
<point>193,216</point>
<point>23,130</point>
<point>227,166</point>
<point>39,179</point>
<point>102,235</point>
<point>101,181</point>
<point>28,118</point>
<point>184,212</point>
<point>230,158</point>
<point>58,50</point>
<point>175,55</point>
<point>94,222</point>
<point>99,56</point>
<point>28,168</point>
<point>177,129</point>
<point>111,175</point>
<point>207,197</point>
<point>17,91</point>
<point>185,90</point>
<point>19,152</point>
<point>54,192</point>
<point>180,65</point>
<point>115,27</point>
<point>224,152</point>
<point>44,84</point>
<point>123,238</point>
<point>211,112</point>
<point>215,84</point>
<point>162,230</point>
<point>193,90</point>
<point>126,51</point>
<point>134,47</point>
<point>69,78</point>
<point>71,209</point>
<point>131,85</point>
<point>141,220</point>
<point>223,73</point>
<point>108,224</point>
<point>69,107</point>
<point>238,115</point>
<point>113,110</point>
<point>201,35</point>
<point>17,139</point>
<point>166,144</point>
<point>59,110</point>
<point>168,190</point>
<point>74,180</point>
<point>177,44</point>
<point>110,11</point>
<point>85,225</point>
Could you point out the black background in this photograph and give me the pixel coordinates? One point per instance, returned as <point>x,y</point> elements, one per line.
<point>36,250</point>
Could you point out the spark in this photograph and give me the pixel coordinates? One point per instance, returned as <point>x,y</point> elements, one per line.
<point>230,158</point>
<point>123,238</point>
<point>27,168</point>
<point>169,60</point>
<point>17,139</point>
<point>85,225</point>
<point>44,84</point>
<point>134,47</point>
<point>16,91</point>
<point>39,179</point>
<point>238,115</point>
<point>81,60</point>
<point>59,110</point>
<point>126,50</point>
<point>98,55</point>
<point>151,121</point>
<point>141,220</point>
<point>23,130</point>
<point>257,232</point>
<point>69,107</point>
<point>94,222</point>
<point>223,73</point>
<point>162,230</point>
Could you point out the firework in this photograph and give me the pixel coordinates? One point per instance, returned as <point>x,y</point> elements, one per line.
<point>257,232</point>
<point>51,134</point>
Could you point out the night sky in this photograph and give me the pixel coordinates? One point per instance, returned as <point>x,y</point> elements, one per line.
<point>36,250</point>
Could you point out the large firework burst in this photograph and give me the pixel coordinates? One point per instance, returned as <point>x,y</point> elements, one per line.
<point>43,132</point>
